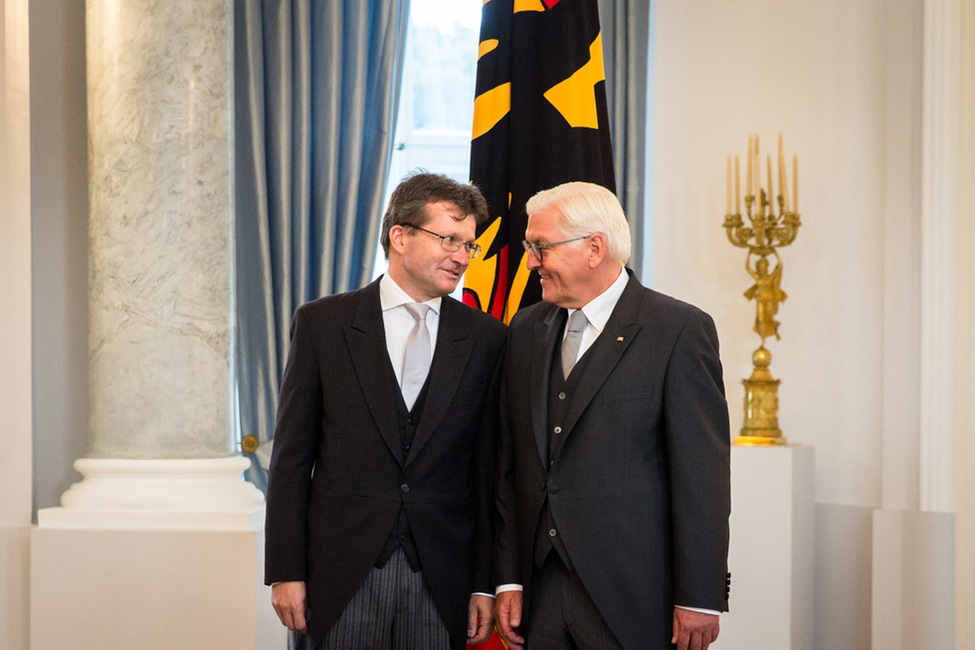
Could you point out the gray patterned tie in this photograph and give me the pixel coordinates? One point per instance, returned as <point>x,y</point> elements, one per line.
<point>416,363</point>
<point>573,338</point>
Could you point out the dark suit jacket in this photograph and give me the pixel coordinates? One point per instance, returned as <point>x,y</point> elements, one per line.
<point>338,474</point>
<point>640,488</point>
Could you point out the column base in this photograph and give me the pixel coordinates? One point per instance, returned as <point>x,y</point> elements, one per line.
<point>194,493</point>
<point>153,554</point>
<point>150,589</point>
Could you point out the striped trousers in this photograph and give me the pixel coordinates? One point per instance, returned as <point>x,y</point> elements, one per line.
<point>393,609</point>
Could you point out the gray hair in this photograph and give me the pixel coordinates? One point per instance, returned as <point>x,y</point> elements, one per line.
<point>588,208</point>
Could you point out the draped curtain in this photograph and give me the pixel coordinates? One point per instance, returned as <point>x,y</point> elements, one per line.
<point>626,31</point>
<point>317,87</point>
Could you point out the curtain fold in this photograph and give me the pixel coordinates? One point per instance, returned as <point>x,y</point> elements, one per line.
<point>316,95</point>
<point>626,31</point>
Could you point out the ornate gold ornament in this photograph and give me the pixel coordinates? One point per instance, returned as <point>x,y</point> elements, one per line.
<point>770,226</point>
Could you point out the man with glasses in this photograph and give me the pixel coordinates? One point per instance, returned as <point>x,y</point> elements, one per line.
<point>614,486</point>
<point>378,504</point>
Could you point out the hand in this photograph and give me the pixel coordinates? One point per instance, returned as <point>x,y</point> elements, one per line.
<point>694,630</point>
<point>288,599</point>
<point>508,613</point>
<point>480,618</point>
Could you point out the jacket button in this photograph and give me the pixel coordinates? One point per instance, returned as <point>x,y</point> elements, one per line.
<point>552,532</point>
<point>404,488</point>
<point>557,430</point>
<point>561,395</point>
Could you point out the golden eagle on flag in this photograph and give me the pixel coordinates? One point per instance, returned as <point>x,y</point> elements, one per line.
<point>540,119</point>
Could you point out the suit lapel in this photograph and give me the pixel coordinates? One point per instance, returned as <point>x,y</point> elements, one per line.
<point>606,351</point>
<point>366,339</point>
<point>547,335</point>
<point>446,369</point>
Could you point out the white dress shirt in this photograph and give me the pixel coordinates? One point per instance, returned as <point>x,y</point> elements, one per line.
<point>397,322</point>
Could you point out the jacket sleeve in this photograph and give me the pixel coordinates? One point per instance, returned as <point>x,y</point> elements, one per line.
<point>485,482</point>
<point>296,437</point>
<point>698,441</point>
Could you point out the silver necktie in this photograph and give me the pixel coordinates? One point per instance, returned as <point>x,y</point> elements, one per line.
<point>416,364</point>
<point>573,339</point>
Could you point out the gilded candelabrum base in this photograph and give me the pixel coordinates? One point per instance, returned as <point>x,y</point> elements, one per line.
<point>761,426</point>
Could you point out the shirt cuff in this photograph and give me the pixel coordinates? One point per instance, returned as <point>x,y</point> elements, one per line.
<point>699,609</point>
<point>481,593</point>
<point>507,587</point>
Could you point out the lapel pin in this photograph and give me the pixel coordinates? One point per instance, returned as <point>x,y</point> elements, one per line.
<point>619,339</point>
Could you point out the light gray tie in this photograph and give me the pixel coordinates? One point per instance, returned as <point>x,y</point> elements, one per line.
<point>573,338</point>
<point>416,364</point>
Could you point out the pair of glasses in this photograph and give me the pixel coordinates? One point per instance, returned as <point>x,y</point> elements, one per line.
<point>538,250</point>
<point>451,244</point>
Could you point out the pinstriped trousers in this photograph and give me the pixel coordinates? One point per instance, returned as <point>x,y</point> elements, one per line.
<point>563,615</point>
<point>393,609</point>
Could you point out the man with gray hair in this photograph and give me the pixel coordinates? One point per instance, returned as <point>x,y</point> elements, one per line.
<point>613,477</point>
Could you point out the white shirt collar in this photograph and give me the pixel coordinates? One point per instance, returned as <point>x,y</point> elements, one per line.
<point>599,309</point>
<point>392,296</point>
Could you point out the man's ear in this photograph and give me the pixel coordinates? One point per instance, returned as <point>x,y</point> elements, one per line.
<point>397,237</point>
<point>596,249</point>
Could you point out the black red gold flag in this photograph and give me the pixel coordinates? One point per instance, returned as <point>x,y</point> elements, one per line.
<point>540,119</point>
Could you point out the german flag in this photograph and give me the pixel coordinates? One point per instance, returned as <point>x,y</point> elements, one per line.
<point>540,119</point>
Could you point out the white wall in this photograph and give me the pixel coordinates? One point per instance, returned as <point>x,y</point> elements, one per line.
<point>15,323</point>
<point>842,81</point>
<point>816,73</point>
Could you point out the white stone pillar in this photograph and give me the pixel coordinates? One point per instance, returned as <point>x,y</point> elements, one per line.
<point>940,254</point>
<point>160,86</point>
<point>160,120</point>
<point>162,532</point>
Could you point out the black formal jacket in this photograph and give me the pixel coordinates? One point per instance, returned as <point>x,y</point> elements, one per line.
<point>640,488</point>
<point>339,475</point>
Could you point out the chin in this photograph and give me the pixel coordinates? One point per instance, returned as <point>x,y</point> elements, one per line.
<point>448,288</point>
<point>550,296</point>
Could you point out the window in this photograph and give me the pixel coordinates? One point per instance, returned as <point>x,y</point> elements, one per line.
<point>433,127</point>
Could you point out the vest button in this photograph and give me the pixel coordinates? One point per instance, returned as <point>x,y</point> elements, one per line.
<point>561,395</point>
<point>557,430</point>
<point>404,488</point>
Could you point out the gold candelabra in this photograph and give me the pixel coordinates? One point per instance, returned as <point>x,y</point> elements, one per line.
<point>770,226</point>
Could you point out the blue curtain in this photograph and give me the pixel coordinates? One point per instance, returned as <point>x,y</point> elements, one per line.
<point>626,30</point>
<point>317,88</point>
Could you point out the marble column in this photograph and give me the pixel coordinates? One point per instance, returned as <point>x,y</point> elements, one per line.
<point>160,124</point>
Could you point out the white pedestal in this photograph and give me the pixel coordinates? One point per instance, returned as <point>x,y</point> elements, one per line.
<point>150,589</point>
<point>155,555</point>
<point>772,549</point>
